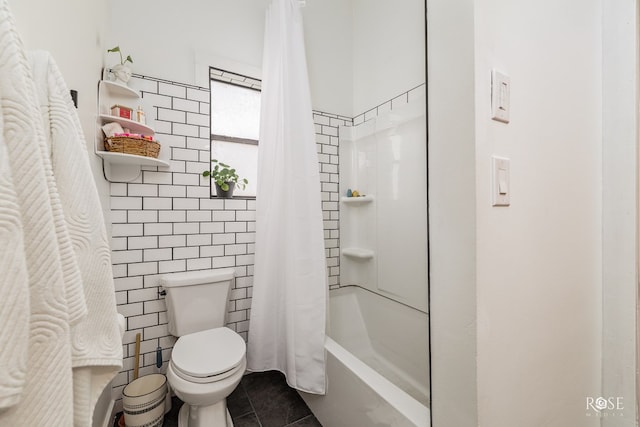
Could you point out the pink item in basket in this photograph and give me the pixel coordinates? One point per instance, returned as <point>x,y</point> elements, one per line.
<point>135,135</point>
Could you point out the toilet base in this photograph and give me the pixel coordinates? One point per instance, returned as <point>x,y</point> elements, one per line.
<point>205,416</point>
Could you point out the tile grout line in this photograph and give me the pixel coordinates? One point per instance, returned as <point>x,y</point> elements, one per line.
<point>251,404</point>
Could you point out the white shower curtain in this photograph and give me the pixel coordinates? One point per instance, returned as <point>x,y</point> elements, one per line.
<point>287,325</point>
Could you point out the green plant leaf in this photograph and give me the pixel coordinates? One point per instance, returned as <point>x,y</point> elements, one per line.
<point>223,174</point>
<point>114,49</point>
<point>206,173</point>
<point>129,59</point>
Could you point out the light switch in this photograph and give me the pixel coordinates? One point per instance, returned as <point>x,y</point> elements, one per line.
<point>500,181</point>
<point>500,96</point>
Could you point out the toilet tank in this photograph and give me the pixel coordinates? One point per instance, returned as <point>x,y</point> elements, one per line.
<point>197,300</point>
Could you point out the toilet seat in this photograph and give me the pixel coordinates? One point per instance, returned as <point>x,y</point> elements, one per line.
<point>208,356</point>
<point>206,379</point>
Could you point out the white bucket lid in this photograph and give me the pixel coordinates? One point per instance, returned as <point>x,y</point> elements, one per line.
<point>208,353</point>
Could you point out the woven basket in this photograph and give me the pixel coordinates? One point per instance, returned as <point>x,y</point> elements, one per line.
<point>137,146</point>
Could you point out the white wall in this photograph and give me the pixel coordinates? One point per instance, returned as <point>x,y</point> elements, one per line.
<point>539,260</point>
<point>538,278</point>
<point>73,31</point>
<point>360,53</point>
<point>452,216</point>
<point>163,37</point>
<point>388,50</point>
<point>177,41</point>
<point>328,38</point>
<point>620,205</point>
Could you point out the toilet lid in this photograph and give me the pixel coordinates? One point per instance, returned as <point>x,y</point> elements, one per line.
<point>208,353</point>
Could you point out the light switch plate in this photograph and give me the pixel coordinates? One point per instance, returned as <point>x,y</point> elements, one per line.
<point>500,96</point>
<point>500,181</point>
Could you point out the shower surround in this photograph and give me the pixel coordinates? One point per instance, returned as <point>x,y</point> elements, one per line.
<point>377,347</point>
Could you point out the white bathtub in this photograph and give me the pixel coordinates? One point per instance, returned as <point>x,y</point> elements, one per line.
<point>377,363</point>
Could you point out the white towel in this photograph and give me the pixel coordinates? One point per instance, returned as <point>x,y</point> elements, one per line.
<point>54,292</point>
<point>14,288</point>
<point>97,346</point>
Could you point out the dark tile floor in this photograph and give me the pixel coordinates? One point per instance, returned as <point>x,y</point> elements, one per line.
<point>262,399</point>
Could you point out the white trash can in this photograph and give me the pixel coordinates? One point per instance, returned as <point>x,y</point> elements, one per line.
<point>143,401</point>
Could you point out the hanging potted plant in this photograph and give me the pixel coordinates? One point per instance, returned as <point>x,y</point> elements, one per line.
<point>121,71</point>
<point>225,179</point>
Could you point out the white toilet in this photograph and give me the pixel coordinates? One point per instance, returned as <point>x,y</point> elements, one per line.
<point>208,360</point>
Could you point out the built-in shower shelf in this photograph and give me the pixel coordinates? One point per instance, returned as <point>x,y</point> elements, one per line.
<point>361,200</point>
<point>357,253</point>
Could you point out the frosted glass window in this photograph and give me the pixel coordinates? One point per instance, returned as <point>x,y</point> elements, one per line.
<point>235,126</point>
<point>235,111</point>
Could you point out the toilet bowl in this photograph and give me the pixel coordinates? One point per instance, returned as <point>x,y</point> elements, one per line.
<point>208,359</point>
<point>205,368</point>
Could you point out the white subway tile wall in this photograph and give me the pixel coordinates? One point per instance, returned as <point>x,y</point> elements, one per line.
<point>166,222</point>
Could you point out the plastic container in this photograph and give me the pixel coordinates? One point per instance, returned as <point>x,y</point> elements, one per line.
<point>143,401</point>
<point>121,111</point>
